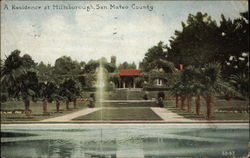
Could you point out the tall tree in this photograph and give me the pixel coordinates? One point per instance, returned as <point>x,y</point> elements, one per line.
<point>241,83</point>
<point>234,44</point>
<point>213,84</point>
<point>126,65</point>
<point>19,78</point>
<point>69,91</point>
<point>196,43</point>
<point>66,67</point>
<point>47,92</point>
<point>156,58</point>
<point>91,66</point>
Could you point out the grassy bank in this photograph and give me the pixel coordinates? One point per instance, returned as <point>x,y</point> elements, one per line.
<point>36,111</point>
<point>234,109</point>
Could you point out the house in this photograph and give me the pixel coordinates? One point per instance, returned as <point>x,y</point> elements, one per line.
<point>128,77</point>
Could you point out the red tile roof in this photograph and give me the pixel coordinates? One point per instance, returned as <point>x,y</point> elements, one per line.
<point>129,72</point>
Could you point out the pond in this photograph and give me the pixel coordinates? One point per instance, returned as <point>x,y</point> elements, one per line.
<point>124,140</point>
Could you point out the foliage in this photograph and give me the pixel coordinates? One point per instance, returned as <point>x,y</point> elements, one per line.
<point>18,76</point>
<point>45,72</point>
<point>212,80</point>
<point>196,43</point>
<point>47,91</point>
<point>202,41</point>
<point>91,66</point>
<point>156,58</point>
<point>126,65</point>
<point>69,89</point>
<point>110,67</point>
<point>233,41</point>
<point>65,66</point>
<point>241,83</point>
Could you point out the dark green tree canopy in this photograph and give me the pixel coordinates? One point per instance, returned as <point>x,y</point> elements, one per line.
<point>196,43</point>
<point>18,77</point>
<point>69,89</point>
<point>91,66</point>
<point>234,44</point>
<point>202,41</point>
<point>156,58</point>
<point>126,65</point>
<point>66,66</point>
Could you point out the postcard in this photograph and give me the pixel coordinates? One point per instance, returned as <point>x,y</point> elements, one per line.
<point>124,79</point>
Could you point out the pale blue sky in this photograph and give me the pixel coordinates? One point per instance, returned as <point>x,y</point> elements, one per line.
<point>84,35</point>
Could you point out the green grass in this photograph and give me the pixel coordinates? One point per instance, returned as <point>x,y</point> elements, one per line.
<point>37,111</point>
<point>234,109</point>
<point>121,114</point>
<point>129,104</point>
<point>222,110</point>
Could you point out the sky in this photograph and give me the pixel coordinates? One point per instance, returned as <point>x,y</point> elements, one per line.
<point>124,29</point>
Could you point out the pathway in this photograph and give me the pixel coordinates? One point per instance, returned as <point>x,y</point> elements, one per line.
<point>70,116</point>
<point>168,115</point>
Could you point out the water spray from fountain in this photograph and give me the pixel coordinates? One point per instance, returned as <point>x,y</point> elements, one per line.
<point>100,85</point>
<point>100,94</point>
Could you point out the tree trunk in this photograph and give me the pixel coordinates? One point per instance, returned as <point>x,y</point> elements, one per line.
<point>45,107</point>
<point>198,105</point>
<point>57,106</point>
<point>229,96</point>
<point>182,102</point>
<point>67,104</point>
<point>244,95</point>
<point>209,106</point>
<point>74,103</point>
<point>27,106</point>
<point>189,104</point>
<point>176,101</point>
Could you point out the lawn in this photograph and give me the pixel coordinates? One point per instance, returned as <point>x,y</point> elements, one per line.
<point>37,111</point>
<point>234,109</point>
<point>121,114</point>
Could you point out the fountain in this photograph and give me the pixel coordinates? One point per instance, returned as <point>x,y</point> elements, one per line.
<point>100,96</point>
<point>100,85</point>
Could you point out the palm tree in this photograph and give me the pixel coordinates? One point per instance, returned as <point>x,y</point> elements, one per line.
<point>196,87</point>
<point>175,88</point>
<point>241,83</point>
<point>68,91</point>
<point>213,83</point>
<point>47,92</point>
<point>180,88</point>
<point>19,78</point>
<point>77,93</point>
<point>188,80</point>
<point>58,97</point>
<point>185,85</point>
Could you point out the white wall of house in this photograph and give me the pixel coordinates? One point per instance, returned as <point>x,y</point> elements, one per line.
<point>158,82</point>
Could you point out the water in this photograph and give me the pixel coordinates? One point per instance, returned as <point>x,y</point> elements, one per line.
<point>127,141</point>
<point>100,97</point>
<point>100,85</point>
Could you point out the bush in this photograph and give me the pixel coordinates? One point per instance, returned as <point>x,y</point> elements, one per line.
<point>161,95</point>
<point>3,98</point>
<point>145,97</point>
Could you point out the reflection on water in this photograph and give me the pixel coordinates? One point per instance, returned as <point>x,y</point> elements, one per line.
<point>124,141</point>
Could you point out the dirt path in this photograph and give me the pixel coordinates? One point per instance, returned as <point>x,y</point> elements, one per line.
<point>167,115</point>
<point>70,116</point>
